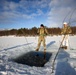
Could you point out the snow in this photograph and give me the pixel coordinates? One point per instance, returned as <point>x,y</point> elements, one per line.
<point>12,47</point>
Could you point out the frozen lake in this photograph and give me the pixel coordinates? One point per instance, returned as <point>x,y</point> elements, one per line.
<point>12,47</point>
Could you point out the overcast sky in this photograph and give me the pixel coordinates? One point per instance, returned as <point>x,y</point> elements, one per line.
<point>30,13</point>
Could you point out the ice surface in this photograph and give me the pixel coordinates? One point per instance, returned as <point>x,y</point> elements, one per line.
<point>12,47</point>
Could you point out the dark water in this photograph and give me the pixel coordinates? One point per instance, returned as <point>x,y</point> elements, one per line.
<point>34,58</point>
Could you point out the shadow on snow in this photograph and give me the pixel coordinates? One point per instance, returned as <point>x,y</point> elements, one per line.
<point>17,46</point>
<point>63,67</point>
<point>49,44</point>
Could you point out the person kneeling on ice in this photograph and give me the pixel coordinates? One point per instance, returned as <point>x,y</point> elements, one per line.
<point>42,31</point>
<point>66,30</point>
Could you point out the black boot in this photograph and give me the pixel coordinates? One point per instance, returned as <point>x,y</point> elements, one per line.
<point>65,47</point>
<point>37,49</point>
<point>62,47</point>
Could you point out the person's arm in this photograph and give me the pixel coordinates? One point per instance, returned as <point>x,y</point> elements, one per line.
<point>38,31</point>
<point>69,30</point>
<point>62,31</point>
<point>46,32</point>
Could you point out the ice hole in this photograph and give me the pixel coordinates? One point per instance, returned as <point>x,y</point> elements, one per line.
<point>33,58</point>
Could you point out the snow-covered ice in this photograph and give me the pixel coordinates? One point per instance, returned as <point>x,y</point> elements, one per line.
<point>12,47</point>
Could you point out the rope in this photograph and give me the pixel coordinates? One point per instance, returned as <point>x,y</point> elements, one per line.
<point>61,42</point>
<point>57,54</point>
<point>69,25</point>
<point>71,15</point>
<point>66,17</point>
<point>25,38</point>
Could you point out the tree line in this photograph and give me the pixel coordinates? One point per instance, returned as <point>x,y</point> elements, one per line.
<point>33,31</point>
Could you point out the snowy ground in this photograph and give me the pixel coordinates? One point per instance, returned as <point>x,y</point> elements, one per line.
<point>12,47</point>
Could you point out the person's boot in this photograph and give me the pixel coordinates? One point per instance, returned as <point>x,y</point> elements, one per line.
<point>37,49</point>
<point>65,47</point>
<point>44,53</point>
<point>62,47</point>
